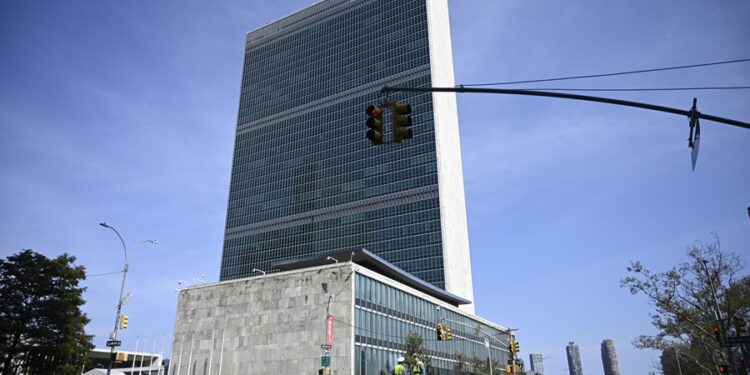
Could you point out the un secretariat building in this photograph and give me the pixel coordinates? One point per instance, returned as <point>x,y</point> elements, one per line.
<point>306,181</point>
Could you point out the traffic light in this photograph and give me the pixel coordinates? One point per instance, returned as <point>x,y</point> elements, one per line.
<point>517,347</point>
<point>401,121</point>
<point>513,347</point>
<point>123,321</point>
<point>448,334</point>
<point>717,334</point>
<point>723,369</point>
<point>439,332</point>
<point>375,123</point>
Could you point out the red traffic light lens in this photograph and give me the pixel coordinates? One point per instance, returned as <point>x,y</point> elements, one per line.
<point>716,329</point>
<point>373,111</point>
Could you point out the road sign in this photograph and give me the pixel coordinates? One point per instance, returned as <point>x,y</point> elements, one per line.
<point>114,343</point>
<point>326,347</point>
<point>325,361</point>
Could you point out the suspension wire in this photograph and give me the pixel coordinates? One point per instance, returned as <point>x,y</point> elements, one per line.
<point>642,89</point>
<point>104,274</point>
<point>609,74</point>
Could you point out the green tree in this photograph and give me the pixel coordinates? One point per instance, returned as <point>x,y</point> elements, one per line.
<point>41,323</point>
<point>685,301</point>
<point>415,347</point>
<point>461,366</point>
<point>479,366</point>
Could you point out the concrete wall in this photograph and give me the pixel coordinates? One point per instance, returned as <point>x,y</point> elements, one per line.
<point>456,259</point>
<point>270,324</point>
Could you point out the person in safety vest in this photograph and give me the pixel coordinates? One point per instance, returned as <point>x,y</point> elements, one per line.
<point>418,367</point>
<point>400,369</point>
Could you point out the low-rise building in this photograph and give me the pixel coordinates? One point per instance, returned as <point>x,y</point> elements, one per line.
<point>359,304</point>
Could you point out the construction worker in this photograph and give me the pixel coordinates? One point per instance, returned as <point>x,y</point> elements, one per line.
<point>400,369</point>
<point>418,368</point>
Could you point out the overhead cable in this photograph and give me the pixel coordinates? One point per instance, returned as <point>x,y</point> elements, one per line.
<point>610,74</point>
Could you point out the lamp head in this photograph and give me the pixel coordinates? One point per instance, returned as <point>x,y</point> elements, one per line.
<point>104,225</point>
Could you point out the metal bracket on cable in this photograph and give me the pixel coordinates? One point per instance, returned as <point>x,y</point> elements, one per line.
<point>695,131</point>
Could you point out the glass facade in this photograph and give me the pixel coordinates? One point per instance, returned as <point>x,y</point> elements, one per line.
<point>385,315</point>
<point>574,359</point>
<point>305,180</point>
<point>537,363</point>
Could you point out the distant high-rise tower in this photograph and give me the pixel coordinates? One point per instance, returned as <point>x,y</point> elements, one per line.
<point>537,363</point>
<point>609,358</point>
<point>305,179</point>
<point>574,359</point>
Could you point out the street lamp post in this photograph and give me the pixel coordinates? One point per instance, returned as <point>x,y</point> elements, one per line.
<point>113,336</point>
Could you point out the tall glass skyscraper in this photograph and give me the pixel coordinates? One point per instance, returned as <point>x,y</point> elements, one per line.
<point>305,180</point>
<point>574,359</point>
<point>609,358</point>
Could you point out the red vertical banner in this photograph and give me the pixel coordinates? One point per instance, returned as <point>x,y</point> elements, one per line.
<point>329,330</point>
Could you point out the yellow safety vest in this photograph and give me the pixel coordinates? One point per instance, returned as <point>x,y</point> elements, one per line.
<point>417,368</point>
<point>399,370</point>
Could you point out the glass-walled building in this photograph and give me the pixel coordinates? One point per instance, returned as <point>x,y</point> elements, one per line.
<point>306,181</point>
<point>386,314</point>
<point>276,323</point>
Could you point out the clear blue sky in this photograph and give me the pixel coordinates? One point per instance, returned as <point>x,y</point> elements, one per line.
<point>124,112</point>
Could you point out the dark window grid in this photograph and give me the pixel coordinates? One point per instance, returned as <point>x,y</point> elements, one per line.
<point>266,263</point>
<point>379,219</point>
<point>331,125</point>
<point>337,54</point>
<point>355,36</point>
<point>404,257</point>
<point>363,18</point>
<point>419,149</point>
<point>367,221</point>
<point>420,81</point>
<point>335,136</point>
<point>295,195</point>
<point>384,230</point>
<point>240,218</point>
<point>265,106</point>
<point>403,184</point>
<point>330,175</point>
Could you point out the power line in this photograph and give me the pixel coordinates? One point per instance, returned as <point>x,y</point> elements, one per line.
<point>610,74</point>
<point>104,274</point>
<point>642,89</point>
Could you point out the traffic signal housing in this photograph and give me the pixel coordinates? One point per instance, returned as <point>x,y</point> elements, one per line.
<point>717,334</point>
<point>439,332</point>
<point>375,123</point>
<point>448,334</point>
<point>123,321</point>
<point>513,347</point>
<point>723,369</point>
<point>401,121</point>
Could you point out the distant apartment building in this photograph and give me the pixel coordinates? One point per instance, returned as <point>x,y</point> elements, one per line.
<point>574,359</point>
<point>536,361</point>
<point>609,358</point>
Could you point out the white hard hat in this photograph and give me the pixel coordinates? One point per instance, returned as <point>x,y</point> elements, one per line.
<point>400,359</point>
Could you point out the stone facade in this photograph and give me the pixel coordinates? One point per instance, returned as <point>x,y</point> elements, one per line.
<point>270,324</point>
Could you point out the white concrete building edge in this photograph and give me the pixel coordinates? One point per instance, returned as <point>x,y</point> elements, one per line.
<point>456,258</point>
